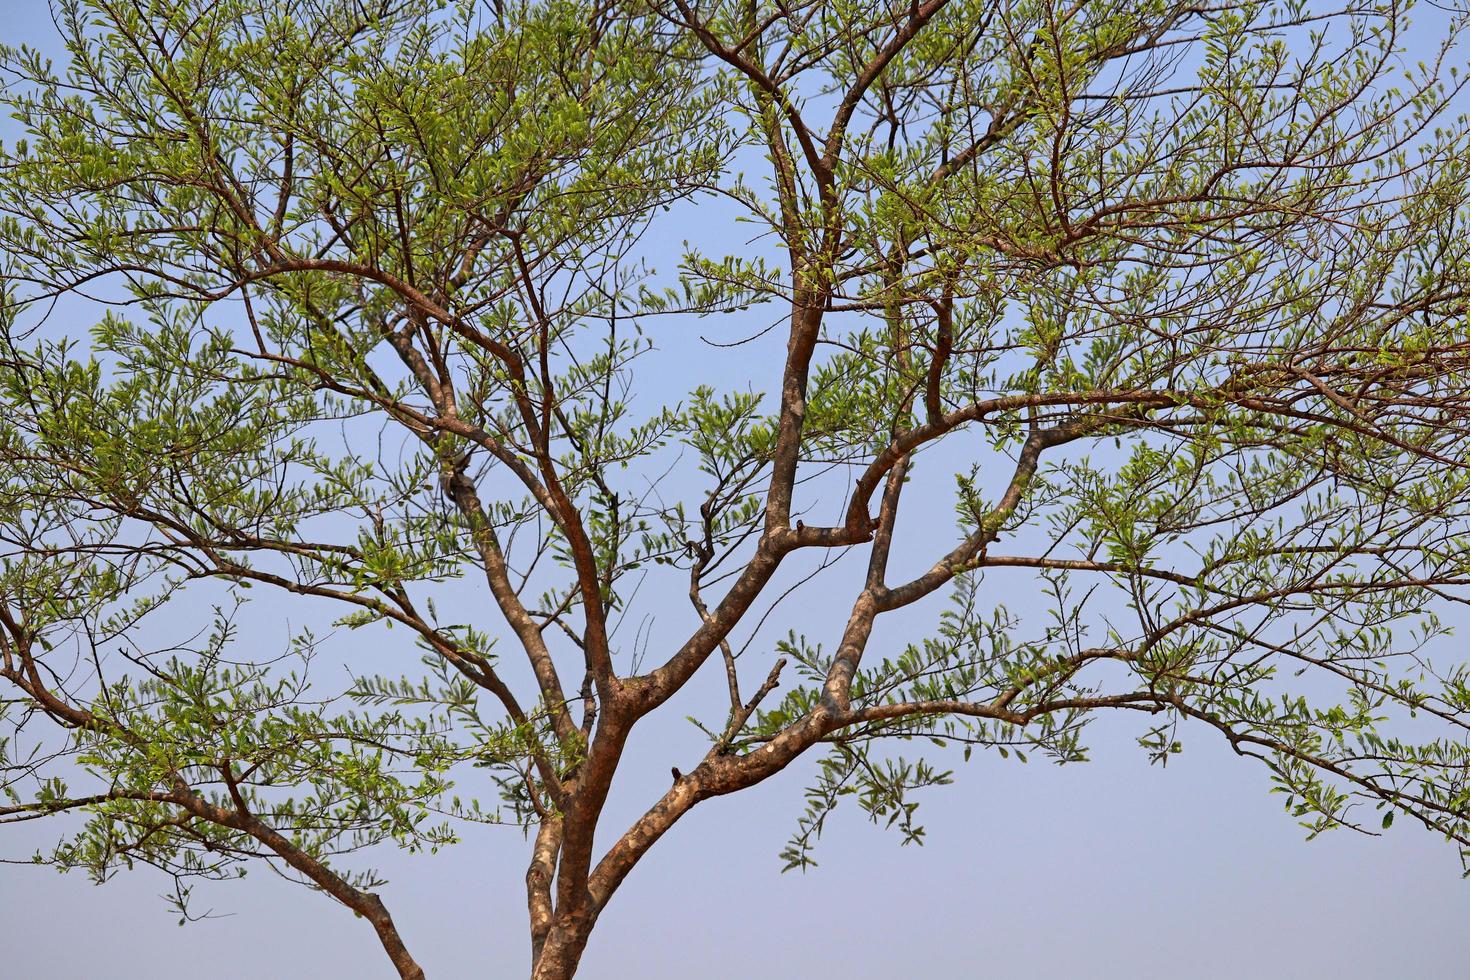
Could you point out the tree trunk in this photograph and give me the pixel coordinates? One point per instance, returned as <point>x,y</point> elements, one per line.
<point>562,951</point>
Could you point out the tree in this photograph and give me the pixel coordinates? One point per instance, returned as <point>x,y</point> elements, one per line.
<point>1175,294</point>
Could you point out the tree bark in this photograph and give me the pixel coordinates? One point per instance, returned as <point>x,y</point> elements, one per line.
<point>562,951</point>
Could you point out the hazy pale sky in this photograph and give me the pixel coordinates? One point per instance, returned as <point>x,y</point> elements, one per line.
<point>1111,869</point>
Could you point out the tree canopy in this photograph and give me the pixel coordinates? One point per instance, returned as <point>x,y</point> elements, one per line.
<point>358,303</point>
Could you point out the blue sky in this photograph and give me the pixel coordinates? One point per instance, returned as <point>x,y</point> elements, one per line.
<point>1106,870</point>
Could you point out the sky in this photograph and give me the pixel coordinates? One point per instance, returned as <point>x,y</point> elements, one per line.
<point>1103,870</point>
